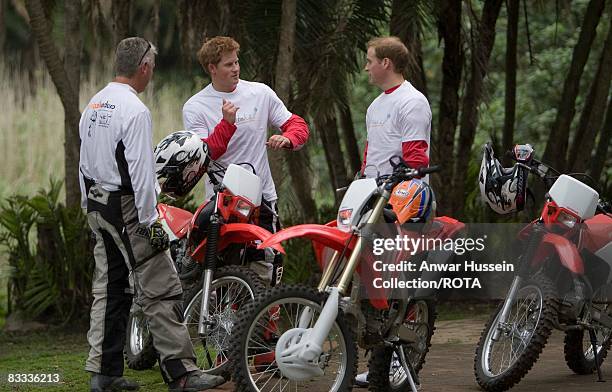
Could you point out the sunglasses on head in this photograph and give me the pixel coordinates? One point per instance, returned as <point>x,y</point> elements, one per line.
<point>145,52</point>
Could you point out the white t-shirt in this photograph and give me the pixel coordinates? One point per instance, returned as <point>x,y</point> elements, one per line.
<point>259,109</point>
<point>116,147</point>
<point>401,116</point>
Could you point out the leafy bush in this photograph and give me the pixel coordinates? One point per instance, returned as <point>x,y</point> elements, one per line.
<point>49,257</point>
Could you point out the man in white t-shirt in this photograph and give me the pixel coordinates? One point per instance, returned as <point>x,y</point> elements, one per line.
<point>256,108</point>
<point>398,121</point>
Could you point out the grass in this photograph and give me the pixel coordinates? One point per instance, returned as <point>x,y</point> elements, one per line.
<point>58,352</point>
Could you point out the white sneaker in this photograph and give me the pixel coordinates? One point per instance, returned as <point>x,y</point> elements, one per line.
<point>361,380</point>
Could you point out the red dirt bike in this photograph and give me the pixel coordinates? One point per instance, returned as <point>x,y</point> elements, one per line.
<point>317,330</point>
<point>564,281</point>
<point>210,250</point>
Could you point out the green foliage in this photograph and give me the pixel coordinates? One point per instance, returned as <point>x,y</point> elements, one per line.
<point>49,257</point>
<point>300,265</point>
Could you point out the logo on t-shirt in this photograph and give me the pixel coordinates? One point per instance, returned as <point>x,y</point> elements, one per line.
<point>242,117</point>
<point>379,121</point>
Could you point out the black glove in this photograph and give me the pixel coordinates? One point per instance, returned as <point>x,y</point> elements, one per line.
<point>158,237</point>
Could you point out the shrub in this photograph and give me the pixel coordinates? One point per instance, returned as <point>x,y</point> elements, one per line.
<point>49,256</point>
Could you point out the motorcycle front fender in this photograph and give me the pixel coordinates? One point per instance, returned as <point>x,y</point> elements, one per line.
<point>562,247</point>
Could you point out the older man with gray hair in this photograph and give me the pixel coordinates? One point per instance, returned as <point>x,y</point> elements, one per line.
<point>119,191</point>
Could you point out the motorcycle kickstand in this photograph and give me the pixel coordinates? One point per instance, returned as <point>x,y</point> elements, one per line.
<point>413,378</point>
<point>595,354</point>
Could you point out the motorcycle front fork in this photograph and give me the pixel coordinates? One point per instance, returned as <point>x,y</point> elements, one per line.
<point>210,265</point>
<point>503,316</point>
<point>524,268</point>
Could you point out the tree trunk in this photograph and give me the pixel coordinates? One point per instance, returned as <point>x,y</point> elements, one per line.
<point>297,162</point>
<point>601,154</point>
<point>282,80</point>
<point>511,64</point>
<point>580,153</point>
<point>481,51</point>
<point>556,148</point>
<point>411,37</point>
<point>121,19</point>
<point>72,65</point>
<point>68,96</point>
<point>350,139</point>
<point>2,26</point>
<point>327,129</point>
<point>449,27</point>
<point>224,17</point>
<point>185,33</point>
<point>154,32</point>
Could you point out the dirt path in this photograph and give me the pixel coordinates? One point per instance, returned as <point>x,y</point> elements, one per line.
<point>450,364</point>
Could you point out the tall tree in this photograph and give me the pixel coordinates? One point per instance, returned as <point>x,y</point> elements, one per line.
<point>72,64</point>
<point>595,107</point>
<point>68,96</point>
<point>449,30</point>
<point>120,10</point>
<point>2,25</point>
<point>327,129</point>
<point>603,147</point>
<point>326,58</point>
<point>155,20</point>
<point>511,64</point>
<point>350,139</point>
<point>408,19</point>
<point>297,162</point>
<point>481,45</point>
<point>282,76</point>
<point>556,147</point>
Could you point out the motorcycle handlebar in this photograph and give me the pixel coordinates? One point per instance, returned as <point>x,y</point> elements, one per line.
<point>427,170</point>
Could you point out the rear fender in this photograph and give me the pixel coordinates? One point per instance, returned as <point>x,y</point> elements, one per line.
<point>450,227</point>
<point>177,219</point>
<point>324,235</point>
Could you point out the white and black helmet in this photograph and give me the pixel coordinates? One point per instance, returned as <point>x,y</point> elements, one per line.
<point>181,159</point>
<point>503,189</point>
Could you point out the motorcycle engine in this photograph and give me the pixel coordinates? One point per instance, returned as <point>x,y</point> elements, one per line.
<point>183,262</point>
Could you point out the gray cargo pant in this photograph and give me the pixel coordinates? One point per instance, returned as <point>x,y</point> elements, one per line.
<point>125,262</point>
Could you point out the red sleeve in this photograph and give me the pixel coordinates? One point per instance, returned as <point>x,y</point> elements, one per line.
<point>296,130</point>
<point>365,155</point>
<point>415,153</point>
<point>220,138</point>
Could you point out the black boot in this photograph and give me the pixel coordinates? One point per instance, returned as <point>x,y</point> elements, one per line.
<point>195,381</point>
<point>102,383</point>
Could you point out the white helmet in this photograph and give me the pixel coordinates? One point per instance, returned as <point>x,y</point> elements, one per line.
<point>181,159</point>
<point>503,189</point>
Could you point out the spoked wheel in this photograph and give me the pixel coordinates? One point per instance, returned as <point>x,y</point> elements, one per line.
<point>231,289</point>
<point>577,345</point>
<point>386,372</point>
<point>265,323</point>
<point>501,363</point>
<point>579,350</point>
<point>139,351</point>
